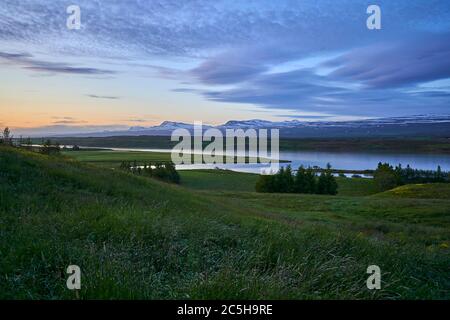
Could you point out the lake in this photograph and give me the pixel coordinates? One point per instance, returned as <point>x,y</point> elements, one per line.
<point>339,160</point>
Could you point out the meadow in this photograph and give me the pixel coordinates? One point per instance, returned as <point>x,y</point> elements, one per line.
<point>212,237</point>
<point>113,158</point>
<point>416,145</point>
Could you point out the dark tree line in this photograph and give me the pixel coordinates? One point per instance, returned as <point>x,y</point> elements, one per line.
<point>305,180</point>
<point>165,172</point>
<point>387,177</point>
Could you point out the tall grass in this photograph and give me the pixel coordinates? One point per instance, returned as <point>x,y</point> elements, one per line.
<point>135,237</point>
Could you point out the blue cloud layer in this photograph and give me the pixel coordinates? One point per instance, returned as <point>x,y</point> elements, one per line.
<point>27,61</point>
<point>331,63</point>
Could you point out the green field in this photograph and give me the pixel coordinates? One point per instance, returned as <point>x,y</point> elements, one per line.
<point>135,237</point>
<point>112,159</point>
<point>425,145</point>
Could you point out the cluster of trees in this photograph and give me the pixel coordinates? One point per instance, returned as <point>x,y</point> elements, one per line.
<point>6,137</point>
<point>165,172</point>
<point>49,148</point>
<point>387,177</point>
<point>305,180</point>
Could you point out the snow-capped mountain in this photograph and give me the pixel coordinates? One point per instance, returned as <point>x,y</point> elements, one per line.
<point>256,123</point>
<point>172,125</point>
<point>167,125</point>
<point>420,125</point>
<point>419,119</point>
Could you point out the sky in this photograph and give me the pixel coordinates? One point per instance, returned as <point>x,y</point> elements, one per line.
<point>138,63</point>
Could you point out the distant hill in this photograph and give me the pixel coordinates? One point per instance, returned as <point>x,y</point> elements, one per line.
<point>417,126</point>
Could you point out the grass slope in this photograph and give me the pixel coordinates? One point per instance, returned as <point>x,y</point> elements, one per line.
<point>218,180</point>
<point>134,237</point>
<point>420,191</point>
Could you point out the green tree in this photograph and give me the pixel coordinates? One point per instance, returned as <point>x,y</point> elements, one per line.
<point>279,185</point>
<point>322,184</point>
<point>385,177</point>
<point>331,183</point>
<point>300,183</point>
<point>439,176</point>
<point>6,137</point>
<point>172,173</point>
<point>310,180</point>
<point>288,180</point>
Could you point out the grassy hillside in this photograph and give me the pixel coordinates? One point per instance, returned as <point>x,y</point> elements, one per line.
<point>218,180</point>
<point>134,237</point>
<point>420,191</point>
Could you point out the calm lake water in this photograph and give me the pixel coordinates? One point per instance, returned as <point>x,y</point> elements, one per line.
<point>338,160</point>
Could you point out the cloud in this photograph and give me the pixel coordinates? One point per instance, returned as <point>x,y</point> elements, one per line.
<point>399,64</point>
<point>300,116</point>
<point>229,68</point>
<point>64,129</point>
<point>304,90</point>
<point>231,50</point>
<point>27,62</point>
<point>380,79</point>
<point>68,122</point>
<point>297,89</point>
<point>135,120</point>
<point>65,118</point>
<point>102,97</point>
<point>15,56</point>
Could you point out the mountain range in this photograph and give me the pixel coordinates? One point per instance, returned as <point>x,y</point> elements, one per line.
<point>418,125</point>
